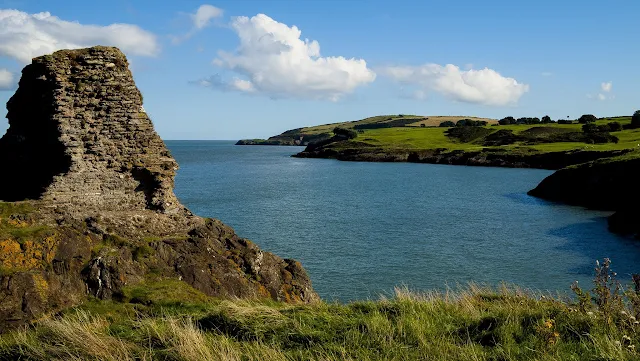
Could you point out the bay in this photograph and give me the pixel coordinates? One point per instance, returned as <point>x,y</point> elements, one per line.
<point>361,229</point>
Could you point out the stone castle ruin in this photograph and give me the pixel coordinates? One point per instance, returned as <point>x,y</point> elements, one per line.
<point>88,204</point>
<point>79,136</point>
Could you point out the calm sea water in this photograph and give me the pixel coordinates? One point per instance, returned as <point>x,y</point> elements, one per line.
<point>360,229</point>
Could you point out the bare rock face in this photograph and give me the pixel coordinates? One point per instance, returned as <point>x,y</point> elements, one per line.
<point>88,205</point>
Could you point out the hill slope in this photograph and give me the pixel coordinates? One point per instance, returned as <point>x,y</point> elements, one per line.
<point>548,146</point>
<point>305,136</point>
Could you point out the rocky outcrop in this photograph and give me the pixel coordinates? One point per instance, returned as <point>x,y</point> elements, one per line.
<point>609,184</point>
<point>363,152</point>
<point>89,208</point>
<point>293,137</point>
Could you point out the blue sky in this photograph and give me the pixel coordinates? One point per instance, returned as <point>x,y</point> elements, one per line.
<point>507,58</point>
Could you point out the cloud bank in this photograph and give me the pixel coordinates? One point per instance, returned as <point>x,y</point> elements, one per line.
<point>484,86</point>
<point>24,36</point>
<point>273,60</point>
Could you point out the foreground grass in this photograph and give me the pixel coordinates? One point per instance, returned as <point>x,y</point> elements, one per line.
<point>167,320</point>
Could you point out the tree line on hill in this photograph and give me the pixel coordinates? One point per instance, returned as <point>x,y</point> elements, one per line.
<point>464,123</point>
<point>584,119</point>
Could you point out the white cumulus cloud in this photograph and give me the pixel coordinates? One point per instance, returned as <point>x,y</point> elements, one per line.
<point>484,86</point>
<point>6,79</point>
<point>199,20</point>
<point>274,61</point>
<point>24,36</point>
<point>605,93</point>
<point>204,15</point>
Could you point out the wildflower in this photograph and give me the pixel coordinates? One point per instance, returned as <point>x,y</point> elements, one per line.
<point>590,313</point>
<point>626,339</point>
<point>548,323</point>
<point>632,347</point>
<point>624,313</point>
<point>636,322</point>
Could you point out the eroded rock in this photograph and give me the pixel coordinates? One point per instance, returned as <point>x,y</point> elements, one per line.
<point>89,205</point>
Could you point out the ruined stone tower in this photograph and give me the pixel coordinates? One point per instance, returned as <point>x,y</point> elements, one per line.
<point>79,137</point>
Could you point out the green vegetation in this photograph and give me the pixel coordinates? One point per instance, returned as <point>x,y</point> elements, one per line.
<point>447,124</point>
<point>587,118</point>
<point>321,133</point>
<point>345,133</point>
<point>168,320</point>
<point>16,223</point>
<point>529,138</point>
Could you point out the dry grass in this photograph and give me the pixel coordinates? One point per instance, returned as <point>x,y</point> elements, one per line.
<point>474,323</point>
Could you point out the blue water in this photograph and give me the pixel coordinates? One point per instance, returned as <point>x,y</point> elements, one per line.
<point>360,229</point>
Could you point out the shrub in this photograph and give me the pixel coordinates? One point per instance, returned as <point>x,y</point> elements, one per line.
<point>527,120</point>
<point>590,128</point>
<point>470,123</point>
<point>507,121</point>
<point>448,123</point>
<point>635,119</point>
<point>614,127</point>
<point>587,118</point>
<point>546,119</point>
<point>347,133</point>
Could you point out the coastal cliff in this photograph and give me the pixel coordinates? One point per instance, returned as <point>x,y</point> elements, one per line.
<point>362,152</point>
<point>293,137</point>
<point>607,184</point>
<point>88,207</point>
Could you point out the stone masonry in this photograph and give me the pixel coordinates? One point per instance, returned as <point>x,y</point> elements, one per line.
<point>80,137</point>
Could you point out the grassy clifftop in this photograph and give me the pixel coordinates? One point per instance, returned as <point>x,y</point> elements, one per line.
<point>550,146</point>
<point>168,320</point>
<point>306,135</point>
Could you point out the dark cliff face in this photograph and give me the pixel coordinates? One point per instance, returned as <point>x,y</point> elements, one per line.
<point>89,207</point>
<point>605,185</point>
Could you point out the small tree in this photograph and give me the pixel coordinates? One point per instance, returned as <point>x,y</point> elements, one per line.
<point>546,119</point>
<point>587,118</point>
<point>507,121</point>
<point>635,119</point>
<point>447,124</point>
<point>347,133</point>
<point>590,128</point>
<point>614,127</point>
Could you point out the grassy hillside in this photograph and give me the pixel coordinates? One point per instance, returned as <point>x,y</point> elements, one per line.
<point>167,320</point>
<point>302,136</point>
<point>415,121</point>
<point>431,138</point>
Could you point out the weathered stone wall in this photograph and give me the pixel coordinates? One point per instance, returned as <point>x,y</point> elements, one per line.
<point>78,116</point>
<point>100,214</point>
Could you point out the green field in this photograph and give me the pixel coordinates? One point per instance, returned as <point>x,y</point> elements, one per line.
<point>416,138</point>
<point>430,138</point>
<point>168,320</point>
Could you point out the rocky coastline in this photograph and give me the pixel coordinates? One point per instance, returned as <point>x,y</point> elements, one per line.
<point>363,152</point>
<point>87,205</point>
<point>607,184</point>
